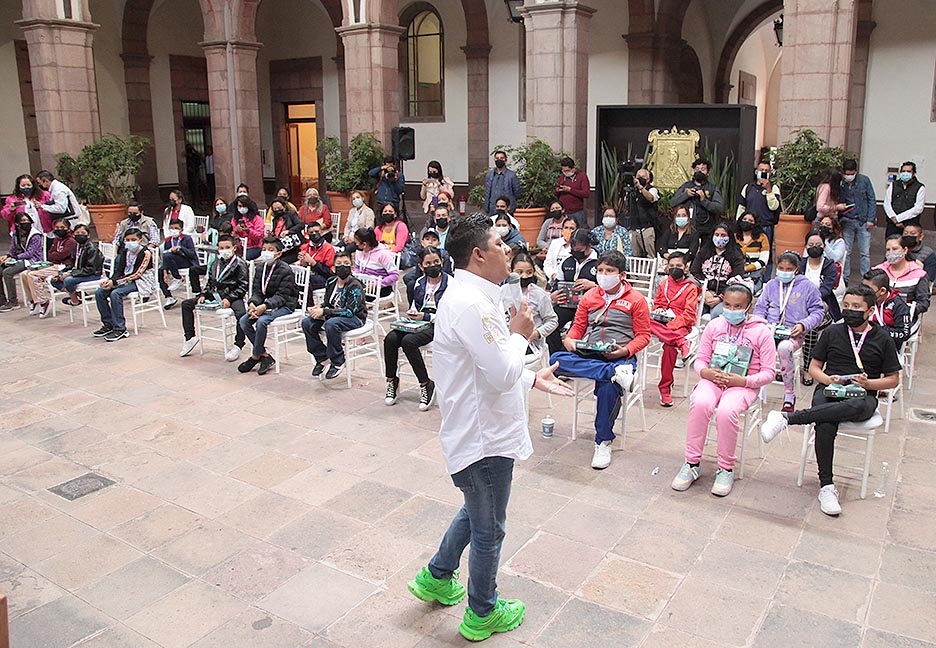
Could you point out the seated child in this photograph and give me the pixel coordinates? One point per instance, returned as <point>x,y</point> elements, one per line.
<point>544,316</point>
<point>89,264</point>
<point>132,273</point>
<point>61,254</point>
<point>890,311</point>
<point>26,243</point>
<point>677,296</point>
<point>178,253</point>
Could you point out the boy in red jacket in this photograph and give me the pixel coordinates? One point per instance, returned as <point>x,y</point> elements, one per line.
<point>676,298</point>
<point>615,314</point>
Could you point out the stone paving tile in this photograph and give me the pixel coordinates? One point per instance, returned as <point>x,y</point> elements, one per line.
<point>630,587</point>
<point>86,561</point>
<point>134,586</point>
<point>590,525</point>
<point>538,560</point>
<point>368,501</point>
<point>579,623</point>
<point>903,610</point>
<point>114,506</point>
<point>730,565</point>
<point>317,533</point>
<point>203,547</point>
<point>260,516</point>
<point>397,621</point>
<point>729,617</point>
<point>157,527</point>
<point>63,622</point>
<point>762,531</point>
<point>834,593</point>
<point>878,639</point>
<point>901,565</point>
<point>24,588</point>
<point>256,629</point>
<point>787,626</point>
<point>118,637</point>
<point>843,551</point>
<point>256,571</point>
<point>374,554</point>
<point>661,545</point>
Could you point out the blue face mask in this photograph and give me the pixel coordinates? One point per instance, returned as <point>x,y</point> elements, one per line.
<point>734,316</point>
<point>905,176</point>
<point>720,241</point>
<point>681,221</point>
<point>785,277</point>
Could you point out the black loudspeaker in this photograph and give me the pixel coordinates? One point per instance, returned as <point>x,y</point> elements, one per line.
<point>404,143</point>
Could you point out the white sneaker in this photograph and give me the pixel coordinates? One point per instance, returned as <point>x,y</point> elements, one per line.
<point>175,284</point>
<point>680,363</point>
<point>775,424</point>
<point>624,376</point>
<point>169,303</point>
<point>188,346</point>
<point>828,500</point>
<point>233,354</point>
<point>602,456</point>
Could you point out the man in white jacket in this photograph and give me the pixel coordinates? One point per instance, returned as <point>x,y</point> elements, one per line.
<point>481,382</point>
<point>62,202</point>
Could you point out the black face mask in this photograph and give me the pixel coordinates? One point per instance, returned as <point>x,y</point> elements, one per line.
<point>26,191</point>
<point>173,203</point>
<point>278,213</point>
<point>500,164</point>
<point>433,174</point>
<point>746,226</point>
<point>343,271</point>
<point>432,271</point>
<point>527,281</point>
<point>578,255</point>
<point>556,214</point>
<point>61,233</point>
<point>386,218</point>
<point>134,217</point>
<point>24,227</point>
<point>700,177</point>
<point>854,318</point>
<point>824,232</point>
<point>81,239</point>
<point>442,222</point>
<point>315,238</point>
<point>909,242</point>
<point>814,251</point>
<point>678,274</point>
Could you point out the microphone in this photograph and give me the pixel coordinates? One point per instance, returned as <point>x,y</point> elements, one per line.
<point>513,289</point>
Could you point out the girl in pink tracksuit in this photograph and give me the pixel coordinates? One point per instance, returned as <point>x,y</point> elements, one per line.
<point>732,394</point>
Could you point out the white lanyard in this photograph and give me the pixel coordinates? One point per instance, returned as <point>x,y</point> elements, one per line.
<point>228,267</point>
<point>666,291</point>
<point>856,346</point>
<point>266,277</point>
<point>878,315</point>
<point>784,300</point>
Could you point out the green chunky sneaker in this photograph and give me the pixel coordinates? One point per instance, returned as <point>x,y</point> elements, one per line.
<point>427,587</point>
<point>507,615</point>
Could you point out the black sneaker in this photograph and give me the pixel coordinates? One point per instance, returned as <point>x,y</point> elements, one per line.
<point>426,396</point>
<point>267,362</point>
<point>9,306</point>
<point>68,302</point>
<point>334,371</point>
<point>247,365</point>
<point>116,334</point>
<point>103,331</point>
<point>318,369</point>
<point>392,386</point>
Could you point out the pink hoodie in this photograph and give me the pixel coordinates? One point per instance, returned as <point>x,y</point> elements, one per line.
<point>754,333</point>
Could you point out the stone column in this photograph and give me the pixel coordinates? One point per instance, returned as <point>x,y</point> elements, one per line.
<point>479,109</point>
<point>651,70</point>
<point>235,117</point>
<point>818,48</point>
<point>372,79</point>
<point>859,79</point>
<point>64,88</point>
<point>557,74</point>
<point>342,100</point>
<point>140,113</point>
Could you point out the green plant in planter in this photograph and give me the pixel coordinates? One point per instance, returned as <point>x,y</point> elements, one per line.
<point>345,173</point>
<point>724,174</point>
<point>476,193</point>
<point>798,167</point>
<point>103,173</point>
<point>610,178</point>
<point>537,167</point>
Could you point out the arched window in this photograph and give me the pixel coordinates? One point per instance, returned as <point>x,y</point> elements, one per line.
<point>425,87</point>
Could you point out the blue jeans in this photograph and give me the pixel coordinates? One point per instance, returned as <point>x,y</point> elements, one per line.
<point>334,327</point>
<point>607,393</point>
<point>110,304</point>
<point>481,521</point>
<point>853,229</point>
<point>258,338</point>
<point>69,284</point>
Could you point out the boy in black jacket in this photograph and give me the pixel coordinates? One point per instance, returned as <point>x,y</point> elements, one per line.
<point>227,285</point>
<point>274,293</point>
<point>178,253</point>
<point>89,264</point>
<point>343,309</point>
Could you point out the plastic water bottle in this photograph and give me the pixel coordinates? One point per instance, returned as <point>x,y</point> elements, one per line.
<point>881,489</point>
<point>514,293</point>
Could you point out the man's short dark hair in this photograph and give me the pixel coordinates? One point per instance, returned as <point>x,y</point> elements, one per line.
<point>272,240</point>
<point>614,259</point>
<point>865,293</point>
<point>227,237</point>
<point>567,162</point>
<point>45,175</point>
<point>466,235</point>
<point>346,254</point>
<point>134,203</point>
<point>850,165</point>
<point>388,159</point>
<point>676,254</point>
<point>910,164</point>
<point>504,198</point>
<point>244,187</point>
<point>702,160</point>
<point>500,152</point>
<point>134,231</point>
<point>877,277</point>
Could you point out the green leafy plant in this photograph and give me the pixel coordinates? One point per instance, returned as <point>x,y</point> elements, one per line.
<point>476,193</point>
<point>347,172</point>
<point>663,204</point>
<point>724,174</point>
<point>537,167</point>
<point>610,178</point>
<point>799,164</point>
<point>104,173</point>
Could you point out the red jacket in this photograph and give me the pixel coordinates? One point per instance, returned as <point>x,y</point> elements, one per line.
<point>683,304</point>
<point>324,254</point>
<point>631,304</point>
<point>579,189</point>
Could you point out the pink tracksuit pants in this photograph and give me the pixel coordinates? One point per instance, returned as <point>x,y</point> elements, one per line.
<point>731,403</point>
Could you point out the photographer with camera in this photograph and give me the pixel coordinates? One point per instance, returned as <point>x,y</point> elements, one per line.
<point>572,189</point>
<point>703,198</point>
<point>389,187</point>
<point>643,215</point>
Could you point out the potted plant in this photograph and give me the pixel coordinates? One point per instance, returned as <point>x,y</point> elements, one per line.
<point>347,172</point>
<point>798,166</point>
<point>103,174</point>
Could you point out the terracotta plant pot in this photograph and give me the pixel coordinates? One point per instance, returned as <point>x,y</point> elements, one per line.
<point>790,234</point>
<point>531,220</point>
<point>106,218</point>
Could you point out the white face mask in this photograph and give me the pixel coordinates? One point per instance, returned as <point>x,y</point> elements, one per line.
<point>242,210</point>
<point>609,222</point>
<point>174,233</point>
<point>850,177</point>
<point>267,257</point>
<point>503,231</point>
<point>609,282</point>
<point>226,253</point>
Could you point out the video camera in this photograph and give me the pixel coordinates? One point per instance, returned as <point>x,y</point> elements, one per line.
<point>628,170</point>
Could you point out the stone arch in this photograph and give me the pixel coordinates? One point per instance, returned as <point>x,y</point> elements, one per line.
<point>670,16</point>
<point>735,40</point>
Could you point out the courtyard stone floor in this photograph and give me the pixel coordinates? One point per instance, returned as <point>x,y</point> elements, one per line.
<point>281,511</point>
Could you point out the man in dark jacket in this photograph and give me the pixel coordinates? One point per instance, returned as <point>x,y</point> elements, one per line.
<point>227,285</point>
<point>389,184</point>
<point>703,198</point>
<point>274,294</point>
<point>891,311</point>
<point>343,308</point>
<point>904,200</point>
<point>178,254</point>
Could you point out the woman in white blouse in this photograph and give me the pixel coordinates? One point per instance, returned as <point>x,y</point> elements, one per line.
<point>359,216</point>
